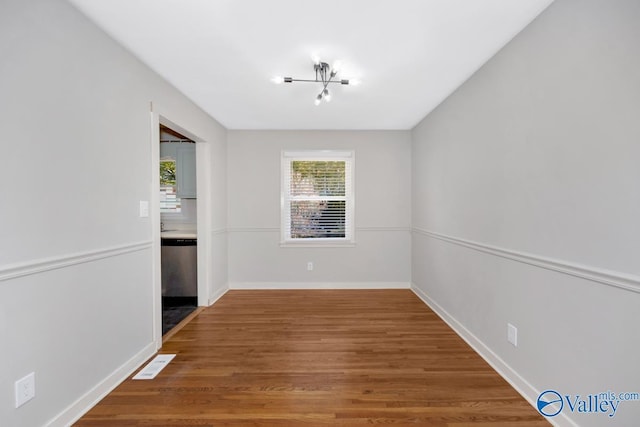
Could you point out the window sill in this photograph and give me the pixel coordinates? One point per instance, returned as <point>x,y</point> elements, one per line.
<point>330,244</point>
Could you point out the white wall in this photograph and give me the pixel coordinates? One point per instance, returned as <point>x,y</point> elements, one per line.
<point>381,256</point>
<point>526,205</point>
<point>525,174</point>
<point>76,279</point>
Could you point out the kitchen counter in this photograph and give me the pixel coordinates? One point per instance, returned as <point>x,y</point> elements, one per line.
<point>178,234</point>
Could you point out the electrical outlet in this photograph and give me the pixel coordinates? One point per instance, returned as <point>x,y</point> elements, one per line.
<point>512,334</point>
<point>25,389</point>
<point>309,266</point>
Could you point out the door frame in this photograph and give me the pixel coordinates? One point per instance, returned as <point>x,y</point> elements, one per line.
<point>159,117</point>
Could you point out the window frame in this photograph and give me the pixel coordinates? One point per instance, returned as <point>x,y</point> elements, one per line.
<point>289,156</point>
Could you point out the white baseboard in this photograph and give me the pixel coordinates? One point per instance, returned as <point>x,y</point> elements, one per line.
<point>319,285</point>
<point>97,393</point>
<point>520,384</point>
<point>217,295</point>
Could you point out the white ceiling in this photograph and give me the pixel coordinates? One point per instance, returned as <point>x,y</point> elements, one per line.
<point>408,54</point>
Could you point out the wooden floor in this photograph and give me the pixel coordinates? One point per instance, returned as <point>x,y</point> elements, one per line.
<point>317,358</point>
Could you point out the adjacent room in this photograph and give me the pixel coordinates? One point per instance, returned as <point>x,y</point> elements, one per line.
<point>419,212</point>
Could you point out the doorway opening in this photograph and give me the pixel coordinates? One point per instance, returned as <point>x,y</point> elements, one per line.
<point>178,227</point>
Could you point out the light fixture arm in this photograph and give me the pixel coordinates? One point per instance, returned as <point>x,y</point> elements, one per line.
<point>323,69</point>
<point>291,80</point>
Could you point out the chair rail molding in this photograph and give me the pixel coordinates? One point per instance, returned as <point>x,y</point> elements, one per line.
<point>606,277</point>
<point>47,264</point>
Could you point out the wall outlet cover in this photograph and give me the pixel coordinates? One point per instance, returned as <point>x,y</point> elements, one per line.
<point>512,334</point>
<point>25,389</point>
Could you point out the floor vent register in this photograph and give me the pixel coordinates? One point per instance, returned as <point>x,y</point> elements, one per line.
<point>154,367</point>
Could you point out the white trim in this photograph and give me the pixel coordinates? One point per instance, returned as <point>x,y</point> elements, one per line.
<point>318,243</point>
<point>168,115</point>
<point>277,230</point>
<point>217,295</point>
<point>384,229</point>
<point>218,231</point>
<point>203,220</point>
<point>320,155</point>
<point>606,277</point>
<point>520,384</point>
<point>319,285</point>
<point>287,158</point>
<point>156,225</point>
<point>47,264</point>
<point>81,406</point>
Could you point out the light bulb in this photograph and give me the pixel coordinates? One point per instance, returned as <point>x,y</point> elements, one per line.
<point>326,95</point>
<point>318,99</point>
<point>315,58</point>
<point>354,82</point>
<point>337,66</point>
<point>277,80</point>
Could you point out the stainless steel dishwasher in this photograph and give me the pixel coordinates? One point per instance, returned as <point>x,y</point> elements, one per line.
<point>179,267</point>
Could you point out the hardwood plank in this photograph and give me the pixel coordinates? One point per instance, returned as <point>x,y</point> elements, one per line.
<point>317,358</point>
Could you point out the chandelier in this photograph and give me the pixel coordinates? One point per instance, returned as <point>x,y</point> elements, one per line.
<point>324,75</point>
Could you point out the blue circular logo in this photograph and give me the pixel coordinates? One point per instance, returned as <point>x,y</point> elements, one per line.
<point>550,403</point>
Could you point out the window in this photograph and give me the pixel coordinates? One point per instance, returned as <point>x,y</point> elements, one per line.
<point>317,197</point>
<point>169,201</point>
